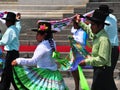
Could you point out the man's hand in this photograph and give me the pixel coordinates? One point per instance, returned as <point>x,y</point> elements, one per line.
<point>18,16</point>
<point>82,63</point>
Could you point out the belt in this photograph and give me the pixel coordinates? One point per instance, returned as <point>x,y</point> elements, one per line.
<point>12,51</point>
<point>115,46</point>
<point>102,67</point>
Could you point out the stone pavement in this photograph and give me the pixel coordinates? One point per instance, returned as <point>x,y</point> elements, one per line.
<point>70,83</point>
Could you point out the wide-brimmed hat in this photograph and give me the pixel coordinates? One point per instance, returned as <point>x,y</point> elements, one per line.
<point>98,17</point>
<point>43,27</point>
<point>10,17</point>
<point>105,9</point>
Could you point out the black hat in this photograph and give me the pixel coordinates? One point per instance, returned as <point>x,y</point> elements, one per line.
<point>105,9</point>
<point>43,27</point>
<point>98,16</point>
<point>10,17</point>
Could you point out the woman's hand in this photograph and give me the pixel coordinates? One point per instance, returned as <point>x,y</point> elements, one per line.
<point>14,62</point>
<point>76,19</point>
<point>88,56</point>
<point>82,63</point>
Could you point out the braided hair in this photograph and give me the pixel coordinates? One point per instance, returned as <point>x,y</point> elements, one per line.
<point>52,44</point>
<point>49,37</point>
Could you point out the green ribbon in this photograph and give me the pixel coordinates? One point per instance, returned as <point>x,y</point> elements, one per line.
<point>83,82</point>
<point>63,61</point>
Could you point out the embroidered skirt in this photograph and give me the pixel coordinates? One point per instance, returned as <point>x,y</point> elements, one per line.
<point>32,78</point>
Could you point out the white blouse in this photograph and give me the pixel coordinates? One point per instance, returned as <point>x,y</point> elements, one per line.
<point>42,57</point>
<point>79,36</point>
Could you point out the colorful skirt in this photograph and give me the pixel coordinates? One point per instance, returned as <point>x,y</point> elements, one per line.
<point>32,78</point>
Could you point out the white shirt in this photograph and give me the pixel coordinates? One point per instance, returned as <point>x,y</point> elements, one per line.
<point>42,57</point>
<point>112,29</point>
<point>10,39</point>
<point>79,36</point>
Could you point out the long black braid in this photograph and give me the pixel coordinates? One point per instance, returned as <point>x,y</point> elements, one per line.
<point>49,37</point>
<point>51,44</point>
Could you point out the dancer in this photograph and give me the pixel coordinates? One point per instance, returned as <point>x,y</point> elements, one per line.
<point>112,31</point>
<point>80,37</point>
<point>101,51</point>
<point>40,71</point>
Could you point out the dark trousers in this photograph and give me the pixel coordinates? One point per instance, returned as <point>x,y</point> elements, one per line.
<point>114,57</point>
<point>103,79</point>
<point>7,76</point>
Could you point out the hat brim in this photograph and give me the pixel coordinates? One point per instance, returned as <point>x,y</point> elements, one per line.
<point>96,20</point>
<point>36,30</point>
<point>10,19</point>
<point>110,11</point>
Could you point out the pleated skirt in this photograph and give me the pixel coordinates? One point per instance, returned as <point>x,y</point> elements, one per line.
<point>32,78</point>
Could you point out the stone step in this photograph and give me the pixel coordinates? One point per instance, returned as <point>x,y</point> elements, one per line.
<point>66,15</point>
<point>55,36</point>
<point>46,2</point>
<point>40,11</point>
<point>34,42</point>
<point>94,5</point>
<point>61,39</point>
<point>8,1</point>
<point>103,1</point>
<point>44,13</point>
<point>80,10</point>
<point>30,54</point>
<point>45,16</point>
<point>38,7</point>
<point>58,42</point>
<point>66,31</point>
<point>32,37</point>
<point>87,72</point>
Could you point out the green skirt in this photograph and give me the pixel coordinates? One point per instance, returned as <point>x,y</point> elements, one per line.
<point>32,78</point>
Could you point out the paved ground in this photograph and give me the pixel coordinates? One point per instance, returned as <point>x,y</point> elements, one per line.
<point>70,83</point>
